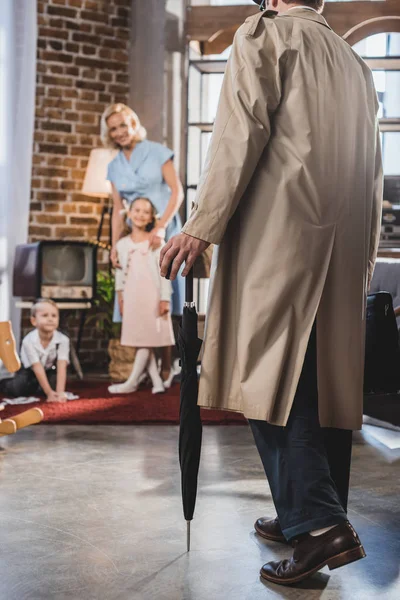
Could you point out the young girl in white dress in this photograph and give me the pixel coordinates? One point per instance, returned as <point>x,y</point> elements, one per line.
<point>144,298</point>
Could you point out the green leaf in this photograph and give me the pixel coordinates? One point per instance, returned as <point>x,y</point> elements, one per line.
<point>104,305</point>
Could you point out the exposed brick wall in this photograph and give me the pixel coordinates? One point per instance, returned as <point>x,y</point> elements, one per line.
<point>82,66</point>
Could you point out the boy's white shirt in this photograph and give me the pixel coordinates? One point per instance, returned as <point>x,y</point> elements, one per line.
<point>32,350</point>
<point>124,245</point>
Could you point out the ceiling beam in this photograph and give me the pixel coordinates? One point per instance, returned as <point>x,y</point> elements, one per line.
<point>205,23</point>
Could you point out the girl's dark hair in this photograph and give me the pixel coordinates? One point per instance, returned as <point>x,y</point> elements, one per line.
<point>153,222</point>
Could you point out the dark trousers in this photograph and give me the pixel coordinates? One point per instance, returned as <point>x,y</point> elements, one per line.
<point>307,466</point>
<point>24,383</point>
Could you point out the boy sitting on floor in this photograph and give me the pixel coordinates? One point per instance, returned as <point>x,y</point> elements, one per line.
<point>44,356</point>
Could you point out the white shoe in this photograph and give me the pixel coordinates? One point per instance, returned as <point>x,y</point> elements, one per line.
<point>122,388</point>
<point>168,382</point>
<point>132,383</point>
<point>158,389</point>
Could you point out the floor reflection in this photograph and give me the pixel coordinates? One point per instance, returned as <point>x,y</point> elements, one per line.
<point>94,513</point>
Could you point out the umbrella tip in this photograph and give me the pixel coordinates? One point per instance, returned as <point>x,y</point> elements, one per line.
<point>188,535</point>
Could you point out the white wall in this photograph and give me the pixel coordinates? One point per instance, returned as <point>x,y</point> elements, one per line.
<point>18,32</point>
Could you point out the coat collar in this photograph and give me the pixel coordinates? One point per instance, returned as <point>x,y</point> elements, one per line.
<point>56,339</point>
<point>132,183</point>
<point>304,13</point>
<point>142,246</point>
<point>138,156</point>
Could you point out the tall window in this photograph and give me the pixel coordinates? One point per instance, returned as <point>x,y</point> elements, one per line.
<point>382,53</point>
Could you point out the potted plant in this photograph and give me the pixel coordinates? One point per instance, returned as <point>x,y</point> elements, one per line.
<point>121,357</point>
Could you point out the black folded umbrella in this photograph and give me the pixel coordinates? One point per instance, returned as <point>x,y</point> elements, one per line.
<point>190,432</point>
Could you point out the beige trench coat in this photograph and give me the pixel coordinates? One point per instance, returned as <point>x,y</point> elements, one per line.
<point>292,193</point>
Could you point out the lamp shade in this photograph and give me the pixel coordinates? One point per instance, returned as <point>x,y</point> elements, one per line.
<point>95,182</point>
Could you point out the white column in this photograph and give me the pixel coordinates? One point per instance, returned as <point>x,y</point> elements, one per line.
<point>18,34</point>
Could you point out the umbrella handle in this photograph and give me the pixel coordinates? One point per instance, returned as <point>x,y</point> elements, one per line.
<point>188,284</point>
<point>189,287</point>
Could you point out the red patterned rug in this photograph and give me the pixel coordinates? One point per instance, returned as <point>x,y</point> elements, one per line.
<point>96,405</point>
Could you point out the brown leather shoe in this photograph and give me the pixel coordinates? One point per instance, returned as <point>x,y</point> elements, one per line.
<point>337,547</point>
<point>270,529</point>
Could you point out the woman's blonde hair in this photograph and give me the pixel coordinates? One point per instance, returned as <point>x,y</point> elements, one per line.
<point>115,109</point>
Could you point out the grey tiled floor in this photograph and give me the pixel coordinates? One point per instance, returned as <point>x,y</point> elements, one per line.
<point>94,513</point>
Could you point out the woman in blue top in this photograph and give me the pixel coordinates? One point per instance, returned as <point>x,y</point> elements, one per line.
<point>142,169</point>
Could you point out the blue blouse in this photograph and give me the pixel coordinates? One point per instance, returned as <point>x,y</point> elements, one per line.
<point>141,176</point>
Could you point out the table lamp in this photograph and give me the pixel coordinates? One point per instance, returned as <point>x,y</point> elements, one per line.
<point>95,184</point>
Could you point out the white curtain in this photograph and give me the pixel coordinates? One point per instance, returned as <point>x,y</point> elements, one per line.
<point>18,35</point>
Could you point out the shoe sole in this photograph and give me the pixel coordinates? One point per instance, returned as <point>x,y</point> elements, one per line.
<point>39,410</point>
<point>340,560</point>
<point>9,427</point>
<point>271,538</point>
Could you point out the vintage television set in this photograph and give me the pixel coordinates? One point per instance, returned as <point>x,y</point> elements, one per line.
<point>61,270</point>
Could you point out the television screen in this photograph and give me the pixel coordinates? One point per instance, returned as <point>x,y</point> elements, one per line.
<point>62,270</point>
<point>64,264</point>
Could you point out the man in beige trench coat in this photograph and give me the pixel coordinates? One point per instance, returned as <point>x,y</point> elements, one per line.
<point>291,192</point>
